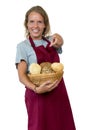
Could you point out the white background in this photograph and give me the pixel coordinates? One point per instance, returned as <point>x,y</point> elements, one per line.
<point>73,20</point>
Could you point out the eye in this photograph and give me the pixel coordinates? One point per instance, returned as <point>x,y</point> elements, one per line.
<point>31,21</point>
<point>40,22</point>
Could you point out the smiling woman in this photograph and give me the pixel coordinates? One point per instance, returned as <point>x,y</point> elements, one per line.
<point>48,105</point>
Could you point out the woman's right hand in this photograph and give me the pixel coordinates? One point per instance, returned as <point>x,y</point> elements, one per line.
<point>46,87</point>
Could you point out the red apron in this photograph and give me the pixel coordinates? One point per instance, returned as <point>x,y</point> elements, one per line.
<point>51,110</point>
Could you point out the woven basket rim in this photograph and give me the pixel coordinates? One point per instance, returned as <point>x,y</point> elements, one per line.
<point>45,75</point>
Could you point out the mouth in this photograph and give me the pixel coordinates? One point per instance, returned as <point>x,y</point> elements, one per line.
<point>35,30</point>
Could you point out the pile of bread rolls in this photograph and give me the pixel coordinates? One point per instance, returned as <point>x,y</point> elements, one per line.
<point>40,73</point>
<point>45,68</point>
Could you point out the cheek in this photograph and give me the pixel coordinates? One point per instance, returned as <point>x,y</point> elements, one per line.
<point>28,26</point>
<point>43,27</point>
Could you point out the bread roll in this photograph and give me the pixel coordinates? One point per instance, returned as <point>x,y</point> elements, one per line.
<point>46,68</point>
<point>35,68</point>
<point>57,66</point>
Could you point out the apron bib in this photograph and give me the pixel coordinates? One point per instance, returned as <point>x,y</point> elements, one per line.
<point>48,54</point>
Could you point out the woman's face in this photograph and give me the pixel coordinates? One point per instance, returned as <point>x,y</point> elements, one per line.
<point>35,25</point>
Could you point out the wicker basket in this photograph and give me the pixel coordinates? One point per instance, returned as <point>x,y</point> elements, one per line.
<point>38,79</point>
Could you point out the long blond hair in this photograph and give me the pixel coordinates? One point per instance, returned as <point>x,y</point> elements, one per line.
<point>43,13</point>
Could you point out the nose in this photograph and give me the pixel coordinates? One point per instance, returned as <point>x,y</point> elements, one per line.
<point>35,24</point>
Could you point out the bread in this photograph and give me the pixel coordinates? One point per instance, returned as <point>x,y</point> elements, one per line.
<point>57,66</point>
<point>46,68</point>
<point>35,68</point>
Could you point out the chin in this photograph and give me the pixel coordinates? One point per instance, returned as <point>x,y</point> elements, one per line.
<point>36,37</point>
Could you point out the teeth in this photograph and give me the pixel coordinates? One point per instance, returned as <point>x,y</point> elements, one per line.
<point>35,30</point>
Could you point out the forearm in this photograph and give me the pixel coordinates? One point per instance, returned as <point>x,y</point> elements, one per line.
<point>25,80</point>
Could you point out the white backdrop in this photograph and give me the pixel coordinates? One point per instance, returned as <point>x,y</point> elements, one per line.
<point>73,20</point>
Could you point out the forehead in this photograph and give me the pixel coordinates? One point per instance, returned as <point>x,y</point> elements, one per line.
<point>35,15</point>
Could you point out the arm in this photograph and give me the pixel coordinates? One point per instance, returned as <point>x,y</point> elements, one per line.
<point>22,67</point>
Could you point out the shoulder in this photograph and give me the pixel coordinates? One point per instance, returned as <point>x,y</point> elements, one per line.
<point>23,43</point>
<point>25,47</point>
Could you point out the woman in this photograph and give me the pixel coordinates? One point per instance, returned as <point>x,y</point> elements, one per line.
<point>48,105</point>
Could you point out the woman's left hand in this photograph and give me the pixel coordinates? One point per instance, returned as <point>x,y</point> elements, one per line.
<point>47,87</point>
<point>57,41</point>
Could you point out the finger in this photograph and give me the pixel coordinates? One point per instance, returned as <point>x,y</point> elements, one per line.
<point>45,83</point>
<point>53,42</point>
<point>54,85</point>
